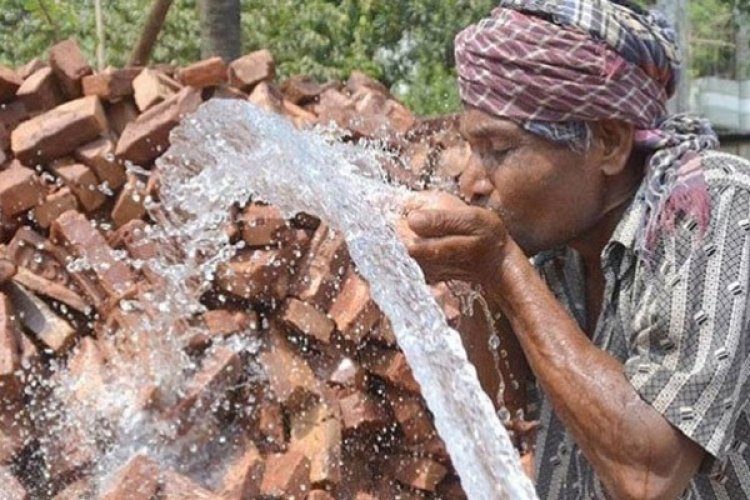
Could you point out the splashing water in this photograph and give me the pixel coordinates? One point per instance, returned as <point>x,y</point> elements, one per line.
<point>229,151</point>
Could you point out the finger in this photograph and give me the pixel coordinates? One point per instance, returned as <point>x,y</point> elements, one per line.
<point>446,250</point>
<point>404,232</point>
<point>436,223</point>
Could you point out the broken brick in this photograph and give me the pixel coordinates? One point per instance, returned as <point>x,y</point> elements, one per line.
<point>12,489</point>
<point>319,495</point>
<point>317,434</point>
<point>354,312</point>
<point>390,365</point>
<point>120,114</point>
<point>223,322</point>
<point>251,69</point>
<point>99,155</point>
<point>148,136</point>
<point>243,476</point>
<point>136,480</point>
<point>83,488</point>
<point>59,131</point>
<point>86,367</point>
<point>179,487</point>
<point>268,97</point>
<point>306,319</point>
<point>322,269</point>
<point>260,276</point>
<point>69,65</point>
<point>286,476</point>
<point>412,416</point>
<point>30,68</point>
<point>270,425</point>
<point>206,73</point>
<point>151,87</point>
<point>51,289</point>
<point>361,409</point>
<point>20,189</point>
<point>348,373</point>
<point>83,183</point>
<point>53,205</point>
<point>110,84</point>
<point>262,225</point>
<point>39,92</point>
<point>9,83</point>
<point>419,472</point>
<point>10,351</point>
<point>301,89</point>
<point>130,203</point>
<point>289,376</point>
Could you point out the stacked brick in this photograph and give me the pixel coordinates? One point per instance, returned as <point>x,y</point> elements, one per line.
<point>336,414</point>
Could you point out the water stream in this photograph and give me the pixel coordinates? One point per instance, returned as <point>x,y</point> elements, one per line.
<point>231,150</point>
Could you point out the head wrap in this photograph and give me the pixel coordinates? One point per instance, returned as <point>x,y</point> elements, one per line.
<point>554,65</point>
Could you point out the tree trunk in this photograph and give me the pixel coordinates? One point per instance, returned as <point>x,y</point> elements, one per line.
<point>142,51</point>
<point>221,34</point>
<point>676,12</point>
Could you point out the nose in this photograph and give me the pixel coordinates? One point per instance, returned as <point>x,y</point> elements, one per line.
<point>474,183</point>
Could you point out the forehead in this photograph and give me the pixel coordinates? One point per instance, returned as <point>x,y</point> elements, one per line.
<point>476,124</point>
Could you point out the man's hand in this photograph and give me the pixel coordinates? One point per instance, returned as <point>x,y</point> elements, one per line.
<point>451,240</point>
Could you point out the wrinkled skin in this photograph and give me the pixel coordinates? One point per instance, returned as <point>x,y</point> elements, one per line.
<point>526,195</point>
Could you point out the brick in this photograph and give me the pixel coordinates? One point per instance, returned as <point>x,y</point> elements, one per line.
<point>433,448</point>
<point>262,225</point>
<point>7,269</point>
<point>412,416</point>
<point>84,184</point>
<point>9,83</point>
<point>286,476</point>
<point>10,351</point>
<point>99,155</point>
<point>12,488</point>
<point>301,89</point>
<point>362,410</point>
<point>260,276</point>
<point>12,113</point>
<point>306,319</point>
<point>120,114</point>
<point>151,87</point>
<point>451,488</point>
<point>75,231</point>
<point>390,365</point>
<point>227,92</point>
<point>179,487</point>
<point>30,68</point>
<point>319,495</point>
<point>317,434</point>
<point>148,136</point>
<point>50,289</point>
<point>20,190</point>
<point>354,312</point>
<point>268,97</point>
<point>70,455</point>
<point>247,71</point>
<point>86,367</point>
<point>39,92</point>
<point>223,322</point>
<point>129,205</point>
<point>243,476</point>
<point>270,425</point>
<point>348,373</point>
<point>322,270</point>
<point>400,119</point>
<point>59,131</point>
<point>382,333</point>
<point>360,81</point>
<point>16,430</point>
<point>206,73</point>
<point>53,205</point>
<point>136,480</point>
<point>69,65</point>
<point>419,472</point>
<point>289,376</point>
<point>81,489</point>
<point>41,320</point>
<point>299,115</point>
<point>110,84</point>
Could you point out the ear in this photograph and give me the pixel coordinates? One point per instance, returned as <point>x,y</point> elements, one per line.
<point>615,141</point>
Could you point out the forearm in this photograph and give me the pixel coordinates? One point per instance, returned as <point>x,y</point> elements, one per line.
<point>624,438</point>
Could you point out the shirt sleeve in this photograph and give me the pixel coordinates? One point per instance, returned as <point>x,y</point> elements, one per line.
<point>689,355</point>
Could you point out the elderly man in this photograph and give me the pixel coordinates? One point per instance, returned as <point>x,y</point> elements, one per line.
<point>634,314</point>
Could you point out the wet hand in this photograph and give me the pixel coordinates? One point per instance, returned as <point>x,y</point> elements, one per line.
<point>451,240</point>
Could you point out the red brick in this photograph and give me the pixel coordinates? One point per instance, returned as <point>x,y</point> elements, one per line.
<point>75,231</point>
<point>12,113</point>
<point>317,434</point>
<point>16,429</point>
<point>247,71</point>
<point>299,115</point>
<point>9,83</point>
<point>58,131</point>
<point>227,92</point>
<point>286,476</point>
<point>206,73</point>
<point>400,119</point>
<point>41,320</point>
<point>319,495</point>
<point>7,269</point>
<point>69,65</point>
<point>10,350</point>
<point>83,488</point>
<point>129,205</point>
<point>120,114</point>
<point>301,89</point>
<point>360,81</point>
<point>99,155</point>
<point>86,366</point>
<point>70,454</point>
<point>268,97</point>
<point>419,472</point>
<point>83,183</point>
<point>270,426</point>
<point>390,365</point>
<point>51,289</point>
<point>39,92</point>
<point>12,489</point>
<point>136,480</point>
<point>222,322</point>
<point>412,416</point>
<point>243,476</point>
<point>179,487</point>
<point>289,376</point>
<point>306,319</point>
<point>260,276</point>
<point>262,225</point>
<point>53,205</point>
<point>451,488</point>
<point>30,68</point>
<point>348,373</point>
<point>110,84</point>
<point>362,410</point>
<point>382,333</point>
<point>322,270</point>
<point>354,312</point>
<point>148,136</point>
<point>20,190</point>
<point>151,87</point>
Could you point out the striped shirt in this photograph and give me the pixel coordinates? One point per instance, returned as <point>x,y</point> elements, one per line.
<point>679,325</point>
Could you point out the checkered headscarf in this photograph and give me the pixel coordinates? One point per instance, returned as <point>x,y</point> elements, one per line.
<point>554,65</point>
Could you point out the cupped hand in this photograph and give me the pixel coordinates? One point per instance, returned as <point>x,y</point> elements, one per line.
<point>451,240</point>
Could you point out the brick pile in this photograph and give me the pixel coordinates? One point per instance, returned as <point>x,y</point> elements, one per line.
<point>337,413</point>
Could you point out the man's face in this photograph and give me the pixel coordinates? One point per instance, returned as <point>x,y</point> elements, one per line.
<point>546,194</point>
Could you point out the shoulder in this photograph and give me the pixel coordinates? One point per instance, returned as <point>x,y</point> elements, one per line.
<point>722,169</point>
